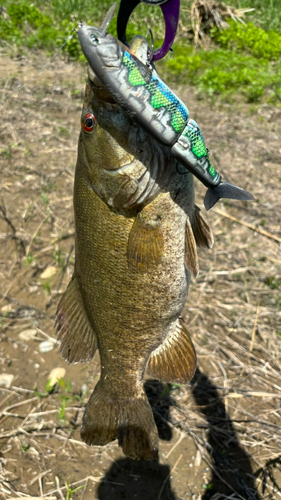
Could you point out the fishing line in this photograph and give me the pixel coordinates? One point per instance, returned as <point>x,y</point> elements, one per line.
<point>60,48</point>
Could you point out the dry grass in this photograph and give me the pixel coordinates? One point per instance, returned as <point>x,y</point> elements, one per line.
<point>223,429</point>
<point>205,14</point>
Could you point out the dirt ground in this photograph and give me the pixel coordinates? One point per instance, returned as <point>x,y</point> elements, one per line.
<point>221,434</point>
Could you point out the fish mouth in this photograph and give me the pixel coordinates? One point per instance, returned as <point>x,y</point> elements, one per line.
<point>101,92</point>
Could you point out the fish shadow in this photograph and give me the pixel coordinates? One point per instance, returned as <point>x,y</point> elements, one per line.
<point>129,479</point>
<point>230,461</point>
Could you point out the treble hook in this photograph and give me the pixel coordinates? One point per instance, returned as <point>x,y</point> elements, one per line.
<point>171,11</point>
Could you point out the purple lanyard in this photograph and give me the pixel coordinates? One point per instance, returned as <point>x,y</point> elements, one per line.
<point>170,9</point>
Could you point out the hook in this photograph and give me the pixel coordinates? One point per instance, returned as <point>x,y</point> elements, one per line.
<point>170,9</point>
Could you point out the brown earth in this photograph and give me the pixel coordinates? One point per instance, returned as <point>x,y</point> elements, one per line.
<point>221,434</point>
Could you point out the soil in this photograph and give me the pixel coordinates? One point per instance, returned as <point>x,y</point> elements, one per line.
<point>220,434</point>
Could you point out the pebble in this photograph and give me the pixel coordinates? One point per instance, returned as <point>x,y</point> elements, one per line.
<point>47,345</point>
<point>29,334</point>
<point>48,273</point>
<point>6,379</point>
<point>55,375</point>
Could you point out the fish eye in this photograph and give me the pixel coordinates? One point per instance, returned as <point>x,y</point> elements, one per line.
<point>88,122</point>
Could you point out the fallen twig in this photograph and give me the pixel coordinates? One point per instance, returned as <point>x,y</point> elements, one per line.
<point>247,224</point>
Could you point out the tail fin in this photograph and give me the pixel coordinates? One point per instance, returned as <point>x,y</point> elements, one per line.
<point>225,190</point>
<point>128,419</point>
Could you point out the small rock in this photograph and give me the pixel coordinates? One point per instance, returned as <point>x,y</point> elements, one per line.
<point>30,177</point>
<point>6,379</point>
<point>6,309</point>
<point>47,345</point>
<point>29,334</point>
<point>48,273</point>
<point>55,375</point>
<point>33,451</point>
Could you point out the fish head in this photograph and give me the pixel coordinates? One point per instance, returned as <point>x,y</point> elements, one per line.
<point>123,163</point>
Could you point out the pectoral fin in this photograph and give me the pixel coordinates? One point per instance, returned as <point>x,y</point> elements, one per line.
<point>175,359</point>
<point>191,257</point>
<point>146,243</point>
<point>202,231</point>
<point>78,340</point>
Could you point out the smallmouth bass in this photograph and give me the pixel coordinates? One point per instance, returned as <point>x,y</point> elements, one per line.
<point>136,228</point>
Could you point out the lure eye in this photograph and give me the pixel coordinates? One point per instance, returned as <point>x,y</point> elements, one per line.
<point>88,122</point>
<point>94,39</point>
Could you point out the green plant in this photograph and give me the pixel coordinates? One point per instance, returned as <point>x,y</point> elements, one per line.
<point>66,386</point>
<point>30,258</point>
<point>208,486</point>
<point>45,199</point>
<point>272,282</point>
<point>61,413</point>
<point>68,8</point>
<point>58,257</point>
<point>47,287</point>
<point>48,390</point>
<point>249,38</point>
<point>69,491</point>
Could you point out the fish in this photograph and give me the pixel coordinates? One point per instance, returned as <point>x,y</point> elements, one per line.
<point>137,229</point>
<point>137,85</point>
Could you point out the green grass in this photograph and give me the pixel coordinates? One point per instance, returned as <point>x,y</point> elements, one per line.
<point>267,14</point>
<point>222,71</point>
<point>244,60</point>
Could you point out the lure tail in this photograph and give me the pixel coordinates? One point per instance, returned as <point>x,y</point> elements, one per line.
<point>225,190</point>
<point>108,417</point>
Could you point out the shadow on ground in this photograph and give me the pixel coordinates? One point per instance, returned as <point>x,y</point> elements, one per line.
<point>139,479</point>
<point>230,461</point>
<point>232,471</point>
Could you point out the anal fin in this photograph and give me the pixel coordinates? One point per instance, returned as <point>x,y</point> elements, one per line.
<point>191,257</point>
<point>175,359</point>
<point>201,228</point>
<point>78,340</point>
<point>146,243</point>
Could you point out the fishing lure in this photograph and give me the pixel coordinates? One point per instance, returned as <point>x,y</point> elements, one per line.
<point>158,110</point>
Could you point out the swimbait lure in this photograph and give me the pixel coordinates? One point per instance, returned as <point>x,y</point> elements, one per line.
<point>157,109</point>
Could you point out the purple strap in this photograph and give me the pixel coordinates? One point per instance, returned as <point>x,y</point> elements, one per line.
<point>171,12</point>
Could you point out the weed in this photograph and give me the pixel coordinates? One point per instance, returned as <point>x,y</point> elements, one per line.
<point>272,282</point>
<point>58,257</point>
<point>69,491</point>
<point>29,259</point>
<point>168,388</point>
<point>48,390</point>
<point>45,199</point>
<point>256,41</point>
<point>61,413</point>
<point>47,287</point>
<point>64,132</point>
<point>209,486</point>
<point>222,71</point>
<point>66,386</point>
